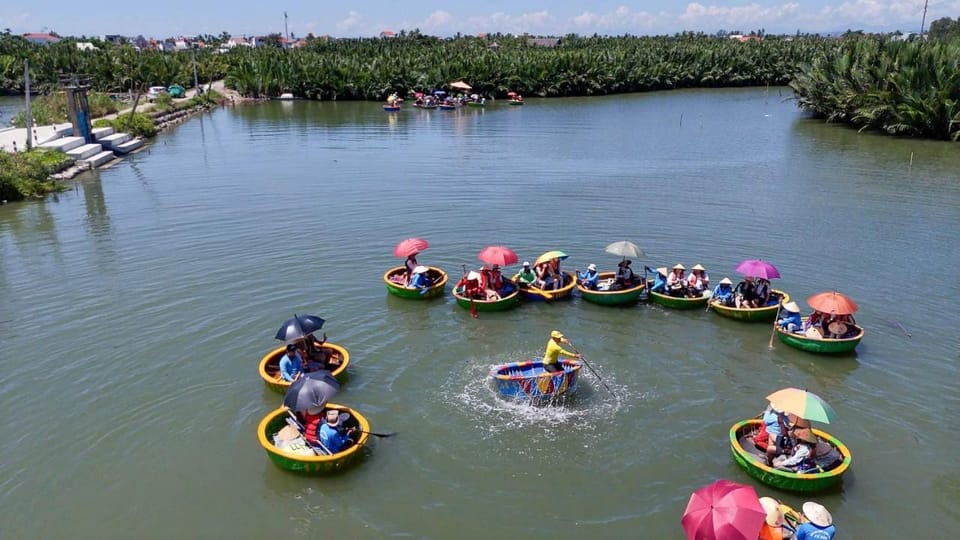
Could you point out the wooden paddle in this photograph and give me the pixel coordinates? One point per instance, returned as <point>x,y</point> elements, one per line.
<point>773,332</point>
<point>595,374</point>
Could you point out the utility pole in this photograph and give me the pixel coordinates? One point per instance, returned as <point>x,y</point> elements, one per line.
<point>924,20</point>
<point>286,34</point>
<point>196,85</point>
<point>26,89</point>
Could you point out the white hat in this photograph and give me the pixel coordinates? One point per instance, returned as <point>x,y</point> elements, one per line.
<point>772,508</point>
<point>526,263</point>
<point>698,267</point>
<point>726,281</point>
<point>679,266</point>
<point>333,417</point>
<point>817,514</point>
<point>420,269</point>
<point>591,266</point>
<point>473,275</point>
<point>662,270</point>
<point>792,307</point>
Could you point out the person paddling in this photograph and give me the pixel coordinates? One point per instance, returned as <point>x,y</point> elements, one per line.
<point>551,356</point>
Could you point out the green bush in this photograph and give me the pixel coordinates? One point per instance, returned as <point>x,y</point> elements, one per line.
<point>52,108</point>
<point>140,125</point>
<point>26,174</point>
<point>163,102</point>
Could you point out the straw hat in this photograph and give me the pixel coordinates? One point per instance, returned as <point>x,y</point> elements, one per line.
<point>806,435</point>
<point>556,334</point>
<point>473,275</point>
<point>420,269</point>
<point>726,281</point>
<point>837,327</point>
<point>699,267</point>
<point>591,266</point>
<point>792,307</point>
<point>679,266</point>
<point>817,514</point>
<point>772,508</point>
<point>662,271</point>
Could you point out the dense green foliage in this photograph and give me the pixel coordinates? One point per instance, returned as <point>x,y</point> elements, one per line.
<point>944,29</point>
<point>137,125</point>
<point>26,174</point>
<point>52,108</point>
<point>898,87</point>
<point>373,68</point>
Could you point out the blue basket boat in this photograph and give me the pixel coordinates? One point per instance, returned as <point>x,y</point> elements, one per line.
<point>528,380</point>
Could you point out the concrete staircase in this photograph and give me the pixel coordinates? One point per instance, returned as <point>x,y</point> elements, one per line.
<point>108,146</point>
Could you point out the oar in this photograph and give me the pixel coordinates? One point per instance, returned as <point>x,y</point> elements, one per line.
<point>473,308</point>
<point>775,319</point>
<point>595,374</point>
<point>384,435</point>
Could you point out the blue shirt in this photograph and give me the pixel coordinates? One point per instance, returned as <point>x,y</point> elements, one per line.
<point>590,278</point>
<point>420,281</point>
<point>809,531</point>
<point>332,439</point>
<point>290,367</point>
<point>772,419</point>
<point>723,292</point>
<point>790,318</point>
<point>659,283</point>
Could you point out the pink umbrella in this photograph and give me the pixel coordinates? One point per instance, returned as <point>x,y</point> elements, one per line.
<point>758,268</point>
<point>723,510</point>
<point>501,255</point>
<point>409,247</point>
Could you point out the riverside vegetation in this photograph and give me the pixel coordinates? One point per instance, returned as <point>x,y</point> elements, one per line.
<point>868,81</point>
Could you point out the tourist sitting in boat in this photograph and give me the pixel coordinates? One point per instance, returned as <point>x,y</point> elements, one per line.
<point>420,279</point>
<point>291,364</point>
<point>775,526</point>
<point>813,327</point>
<point>409,265</point>
<point>791,321</point>
<point>804,452</point>
<point>774,429</point>
<point>745,293</point>
<point>486,282</point>
<point>723,293</point>
<point>624,277</point>
<point>526,276</point>
<point>660,280</point>
<point>333,436</point>
<point>698,281</point>
<point>551,356</point>
<point>590,278</point>
<point>312,420</point>
<point>763,292</point>
<point>545,277</point>
<point>316,355</point>
<point>471,287</point>
<point>841,327</point>
<point>676,281</point>
<point>817,524</point>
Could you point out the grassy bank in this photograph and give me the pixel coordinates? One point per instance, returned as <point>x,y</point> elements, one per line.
<point>27,174</point>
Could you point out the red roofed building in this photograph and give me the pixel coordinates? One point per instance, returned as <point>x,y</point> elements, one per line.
<point>387,34</point>
<point>41,39</point>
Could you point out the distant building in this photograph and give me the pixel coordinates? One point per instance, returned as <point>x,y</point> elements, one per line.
<point>116,39</point>
<point>237,42</point>
<point>41,39</point>
<point>543,42</point>
<point>387,34</point>
<point>85,46</point>
<point>181,44</point>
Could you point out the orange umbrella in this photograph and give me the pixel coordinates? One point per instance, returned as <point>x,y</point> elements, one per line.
<point>833,302</point>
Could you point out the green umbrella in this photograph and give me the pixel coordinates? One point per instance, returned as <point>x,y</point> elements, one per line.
<point>802,403</point>
<point>555,254</point>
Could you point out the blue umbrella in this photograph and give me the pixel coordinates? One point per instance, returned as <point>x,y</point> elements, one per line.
<point>439,93</point>
<point>299,327</point>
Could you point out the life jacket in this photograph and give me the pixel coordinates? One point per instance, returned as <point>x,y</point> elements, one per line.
<point>311,426</point>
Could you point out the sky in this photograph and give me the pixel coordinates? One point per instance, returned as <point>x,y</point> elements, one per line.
<point>163,18</point>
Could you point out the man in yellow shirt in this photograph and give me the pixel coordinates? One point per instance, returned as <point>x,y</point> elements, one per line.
<point>551,356</point>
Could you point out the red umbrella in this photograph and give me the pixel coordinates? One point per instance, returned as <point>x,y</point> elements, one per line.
<point>511,94</point>
<point>723,510</point>
<point>758,268</point>
<point>409,247</point>
<point>501,255</point>
<point>833,302</point>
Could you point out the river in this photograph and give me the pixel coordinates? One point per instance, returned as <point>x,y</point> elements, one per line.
<point>134,309</point>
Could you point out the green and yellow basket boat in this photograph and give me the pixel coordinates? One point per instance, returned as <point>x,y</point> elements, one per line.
<point>622,297</point>
<point>753,460</point>
<point>535,294</point>
<point>509,301</point>
<point>269,367</point>
<point>761,314</point>
<point>680,302</point>
<point>821,345</point>
<point>396,288</point>
<point>277,419</point>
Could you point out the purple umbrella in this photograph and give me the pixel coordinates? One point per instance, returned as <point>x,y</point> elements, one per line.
<point>758,268</point>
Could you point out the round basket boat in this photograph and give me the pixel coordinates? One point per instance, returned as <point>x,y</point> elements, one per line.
<point>475,104</point>
<point>310,464</point>
<point>528,380</point>
<point>397,288</point>
<point>509,301</point>
<point>753,460</point>
<point>761,314</point>
<point>620,297</point>
<point>821,345</point>
<point>537,294</point>
<point>391,108</point>
<point>515,102</point>
<point>680,302</point>
<point>269,367</point>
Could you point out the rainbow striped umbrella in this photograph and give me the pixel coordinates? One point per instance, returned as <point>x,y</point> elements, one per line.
<point>802,403</point>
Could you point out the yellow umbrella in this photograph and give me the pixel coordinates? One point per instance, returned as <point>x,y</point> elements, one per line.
<point>555,254</point>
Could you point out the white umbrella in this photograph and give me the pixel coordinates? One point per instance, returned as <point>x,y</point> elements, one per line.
<point>625,248</point>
